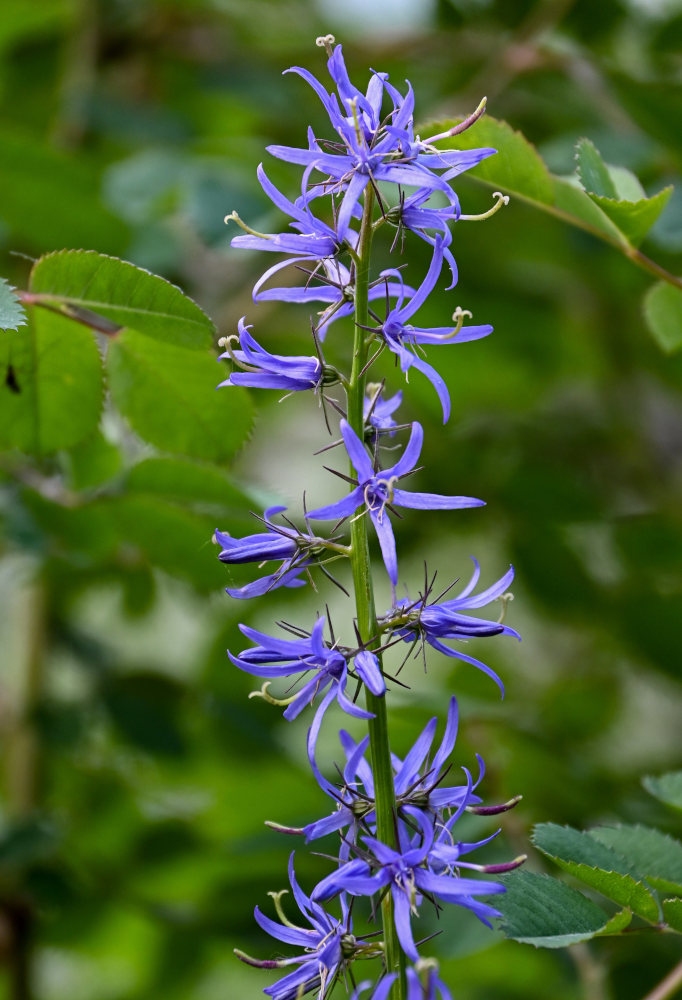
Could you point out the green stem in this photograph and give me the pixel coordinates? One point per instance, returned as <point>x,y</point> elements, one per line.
<point>364,599</point>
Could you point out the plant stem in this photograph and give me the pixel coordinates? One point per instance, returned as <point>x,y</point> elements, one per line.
<point>364,599</point>
<point>668,986</point>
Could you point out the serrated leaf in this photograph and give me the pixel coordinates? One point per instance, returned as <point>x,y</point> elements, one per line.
<point>663,313</point>
<point>666,787</point>
<point>12,314</point>
<point>126,295</point>
<point>627,185</point>
<point>542,911</point>
<point>655,854</point>
<point>598,866</point>
<point>518,170</point>
<point>168,396</point>
<point>672,913</point>
<point>51,389</point>
<point>592,171</point>
<point>635,218</point>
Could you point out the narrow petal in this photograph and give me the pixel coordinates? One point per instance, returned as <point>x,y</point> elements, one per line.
<point>401,913</point>
<point>410,456</point>
<point>433,501</point>
<point>356,452</point>
<point>342,508</point>
<point>386,538</point>
<point>368,670</point>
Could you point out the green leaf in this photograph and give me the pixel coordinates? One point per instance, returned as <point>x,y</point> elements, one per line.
<point>93,462</point>
<point>518,170</point>
<point>170,538</point>
<point>542,911</point>
<point>666,787</point>
<point>663,313</point>
<point>657,856</point>
<point>596,865</point>
<point>203,487</point>
<point>124,294</point>
<point>672,913</point>
<point>635,218</point>
<point>12,314</point>
<point>51,389</point>
<point>606,201</point>
<point>592,171</point>
<point>168,395</point>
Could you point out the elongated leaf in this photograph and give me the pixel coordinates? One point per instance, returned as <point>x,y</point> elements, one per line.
<point>592,171</point>
<point>124,294</point>
<point>672,913</point>
<point>598,866</point>
<point>656,855</point>
<point>542,911</point>
<point>168,395</point>
<point>51,390</point>
<point>663,313</point>
<point>12,314</point>
<point>666,787</point>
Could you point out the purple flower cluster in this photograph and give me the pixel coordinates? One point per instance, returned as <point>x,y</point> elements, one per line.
<point>419,858</point>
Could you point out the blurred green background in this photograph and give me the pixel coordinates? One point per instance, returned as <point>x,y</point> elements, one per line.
<point>137,775</point>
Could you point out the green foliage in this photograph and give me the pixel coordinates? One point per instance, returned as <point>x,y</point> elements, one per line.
<point>666,787</point>
<point>583,856</point>
<point>51,395</point>
<point>12,315</point>
<point>166,393</point>
<point>124,294</point>
<point>132,129</point>
<point>607,201</point>
<point>657,855</point>
<point>540,910</point>
<point>663,312</point>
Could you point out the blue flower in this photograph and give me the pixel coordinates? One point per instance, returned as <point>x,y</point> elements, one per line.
<point>399,335</point>
<point>408,875</point>
<point>377,413</point>
<point>272,658</point>
<point>444,620</point>
<point>274,371</point>
<point>377,490</point>
<point>418,783</point>
<point>297,550</point>
<point>326,945</point>
<point>374,146</point>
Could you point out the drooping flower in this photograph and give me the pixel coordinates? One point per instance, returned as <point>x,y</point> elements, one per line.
<point>296,549</point>
<point>327,664</point>
<point>414,620</point>
<point>377,490</point>
<point>327,945</point>
<point>377,413</point>
<point>262,370</point>
<point>406,871</point>
<point>401,337</point>
<point>418,783</point>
